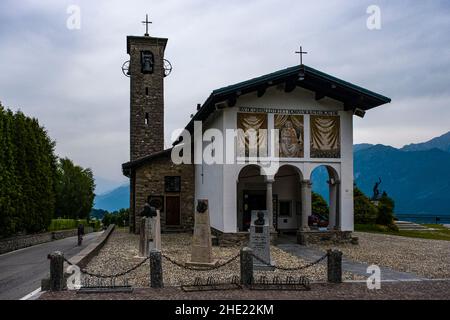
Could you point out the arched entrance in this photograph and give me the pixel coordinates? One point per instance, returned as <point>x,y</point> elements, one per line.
<point>287,205</point>
<point>251,195</point>
<point>325,180</point>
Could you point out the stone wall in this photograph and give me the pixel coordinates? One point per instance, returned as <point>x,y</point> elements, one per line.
<point>150,181</point>
<point>332,236</point>
<point>20,242</point>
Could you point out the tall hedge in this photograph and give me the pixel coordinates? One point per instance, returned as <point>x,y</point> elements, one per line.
<point>27,175</point>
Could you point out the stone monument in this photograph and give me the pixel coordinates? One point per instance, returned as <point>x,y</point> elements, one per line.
<point>155,240</point>
<point>201,254</point>
<point>150,229</point>
<point>260,240</point>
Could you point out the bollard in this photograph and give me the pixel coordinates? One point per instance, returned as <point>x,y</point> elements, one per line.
<point>246,260</point>
<point>334,266</point>
<point>156,276</point>
<point>142,250</point>
<point>56,271</point>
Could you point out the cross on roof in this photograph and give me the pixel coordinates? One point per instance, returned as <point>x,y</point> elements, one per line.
<point>146,22</point>
<point>301,53</point>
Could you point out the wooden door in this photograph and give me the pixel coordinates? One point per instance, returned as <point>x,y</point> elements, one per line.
<point>172,210</point>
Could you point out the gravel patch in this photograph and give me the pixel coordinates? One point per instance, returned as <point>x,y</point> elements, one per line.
<point>121,253</point>
<point>427,258</point>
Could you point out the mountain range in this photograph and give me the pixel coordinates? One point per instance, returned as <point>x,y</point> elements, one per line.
<point>416,176</point>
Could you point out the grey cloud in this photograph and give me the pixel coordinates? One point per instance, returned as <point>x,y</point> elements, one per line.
<point>71,80</point>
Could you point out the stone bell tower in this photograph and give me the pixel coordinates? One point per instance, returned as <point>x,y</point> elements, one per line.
<point>146,71</point>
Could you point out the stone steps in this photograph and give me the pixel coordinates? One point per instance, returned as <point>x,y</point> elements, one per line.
<point>410,226</point>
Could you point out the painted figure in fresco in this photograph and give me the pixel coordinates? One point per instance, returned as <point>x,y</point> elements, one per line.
<point>290,143</point>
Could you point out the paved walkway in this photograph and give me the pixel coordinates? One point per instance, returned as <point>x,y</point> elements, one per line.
<point>21,271</point>
<point>312,254</point>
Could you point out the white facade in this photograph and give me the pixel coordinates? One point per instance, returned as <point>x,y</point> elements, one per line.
<point>219,183</point>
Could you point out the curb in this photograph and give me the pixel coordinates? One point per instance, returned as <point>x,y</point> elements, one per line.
<point>85,255</point>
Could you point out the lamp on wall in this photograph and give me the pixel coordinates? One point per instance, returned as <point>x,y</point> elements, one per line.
<point>359,112</point>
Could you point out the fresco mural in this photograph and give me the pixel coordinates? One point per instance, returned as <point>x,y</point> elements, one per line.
<point>255,121</point>
<point>291,144</point>
<point>325,137</point>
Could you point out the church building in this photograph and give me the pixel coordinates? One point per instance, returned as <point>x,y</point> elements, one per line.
<point>311,113</point>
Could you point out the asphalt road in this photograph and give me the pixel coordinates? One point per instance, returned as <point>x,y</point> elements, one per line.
<point>21,271</point>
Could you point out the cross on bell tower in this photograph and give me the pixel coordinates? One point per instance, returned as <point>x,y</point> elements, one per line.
<point>301,53</point>
<point>146,93</point>
<point>146,22</point>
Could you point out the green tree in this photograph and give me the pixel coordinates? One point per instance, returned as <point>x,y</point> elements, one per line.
<point>27,174</point>
<point>385,210</point>
<point>119,218</point>
<point>364,210</point>
<point>74,190</point>
<point>319,205</point>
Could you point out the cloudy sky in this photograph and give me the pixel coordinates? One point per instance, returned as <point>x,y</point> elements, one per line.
<point>71,80</point>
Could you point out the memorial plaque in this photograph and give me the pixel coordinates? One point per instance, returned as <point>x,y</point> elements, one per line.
<point>260,240</point>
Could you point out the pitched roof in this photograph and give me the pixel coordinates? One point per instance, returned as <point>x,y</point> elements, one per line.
<point>128,166</point>
<point>324,85</point>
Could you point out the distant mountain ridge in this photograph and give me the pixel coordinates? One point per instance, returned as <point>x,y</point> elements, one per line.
<point>114,200</point>
<point>418,181</point>
<point>442,143</point>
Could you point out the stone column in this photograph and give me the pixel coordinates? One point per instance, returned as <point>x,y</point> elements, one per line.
<point>306,204</point>
<point>246,260</point>
<point>56,271</point>
<point>337,225</point>
<point>332,212</point>
<point>156,274</point>
<point>269,201</point>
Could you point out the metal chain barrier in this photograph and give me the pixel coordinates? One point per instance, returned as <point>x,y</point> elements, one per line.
<point>112,275</point>
<point>193,268</point>
<point>291,269</point>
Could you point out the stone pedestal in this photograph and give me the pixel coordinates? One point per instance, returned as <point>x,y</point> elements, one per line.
<point>201,254</point>
<point>260,240</point>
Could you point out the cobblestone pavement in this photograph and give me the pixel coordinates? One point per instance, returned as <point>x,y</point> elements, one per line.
<point>121,253</point>
<point>423,257</point>
<point>319,291</point>
<point>355,267</point>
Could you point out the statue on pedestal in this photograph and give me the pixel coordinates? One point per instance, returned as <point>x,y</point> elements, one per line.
<point>376,191</point>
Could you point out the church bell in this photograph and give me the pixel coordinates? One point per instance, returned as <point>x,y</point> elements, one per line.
<point>147,62</point>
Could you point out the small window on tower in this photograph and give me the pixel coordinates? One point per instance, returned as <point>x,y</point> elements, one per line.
<point>147,119</point>
<point>146,91</point>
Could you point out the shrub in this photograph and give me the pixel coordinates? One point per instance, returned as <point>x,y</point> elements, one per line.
<point>385,211</point>
<point>365,211</point>
<point>66,224</point>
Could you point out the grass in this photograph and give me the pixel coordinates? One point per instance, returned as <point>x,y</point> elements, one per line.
<point>440,232</point>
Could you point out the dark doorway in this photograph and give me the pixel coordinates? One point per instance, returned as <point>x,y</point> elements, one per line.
<point>172,210</point>
<point>253,200</point>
